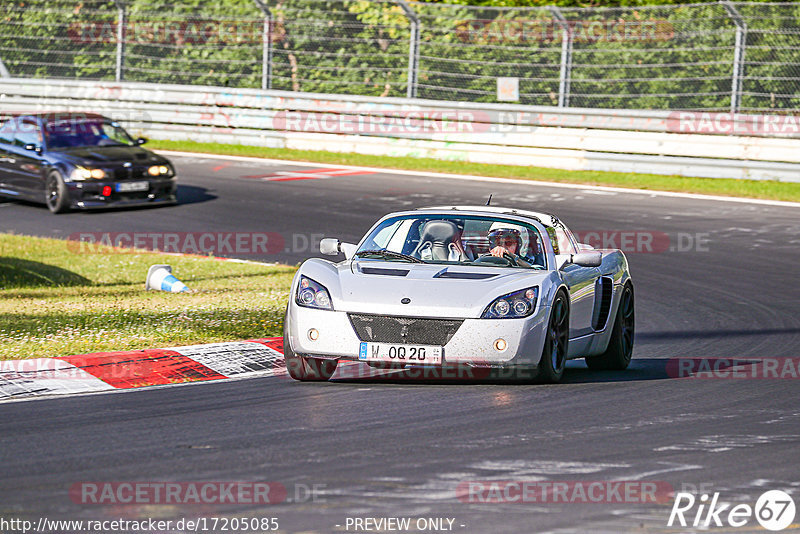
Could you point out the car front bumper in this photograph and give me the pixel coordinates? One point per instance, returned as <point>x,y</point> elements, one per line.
<point>473,343</point>
<point>89,195</point>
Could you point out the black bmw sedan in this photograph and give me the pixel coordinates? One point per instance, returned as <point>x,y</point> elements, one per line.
<point>80,160</point>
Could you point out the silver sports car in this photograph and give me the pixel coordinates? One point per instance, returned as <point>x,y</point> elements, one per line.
<point>476,287</point>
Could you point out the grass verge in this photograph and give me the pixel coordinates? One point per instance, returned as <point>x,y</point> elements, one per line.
<point>55,301</point>
<point>764,189</point>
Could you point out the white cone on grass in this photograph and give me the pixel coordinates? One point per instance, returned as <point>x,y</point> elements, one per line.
<point>160,277</point>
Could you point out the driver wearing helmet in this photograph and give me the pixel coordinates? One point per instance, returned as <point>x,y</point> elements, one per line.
<point>505,239</point>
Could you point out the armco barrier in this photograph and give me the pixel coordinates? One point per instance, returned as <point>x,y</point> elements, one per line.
<point>567,138</point>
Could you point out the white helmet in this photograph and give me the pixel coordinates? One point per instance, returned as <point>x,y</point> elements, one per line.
<point>504,229</point>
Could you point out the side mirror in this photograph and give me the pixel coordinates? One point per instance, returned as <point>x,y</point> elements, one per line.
<point>330,246</point>
<point>34,148</point>
<point>588,258</point>
<point>141,140</point>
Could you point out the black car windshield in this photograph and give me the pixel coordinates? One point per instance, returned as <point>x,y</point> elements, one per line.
<point>459,240</point>
<point>85,133</point>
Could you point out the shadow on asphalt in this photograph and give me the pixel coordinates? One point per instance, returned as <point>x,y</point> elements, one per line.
<point>696,334</point>
<point>187,194</point>
<point>641,369</point>
<point>191,194</point>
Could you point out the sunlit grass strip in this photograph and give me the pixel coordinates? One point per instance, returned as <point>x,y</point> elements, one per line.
<point>56,302</point>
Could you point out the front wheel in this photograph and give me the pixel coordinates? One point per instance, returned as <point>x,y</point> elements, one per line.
<point>57,196</point>
<point>620,347</point>
<point>554,354</point>
<point>304,368</point>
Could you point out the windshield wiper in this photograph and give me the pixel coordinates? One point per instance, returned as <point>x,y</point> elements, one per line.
<point>383,253</point>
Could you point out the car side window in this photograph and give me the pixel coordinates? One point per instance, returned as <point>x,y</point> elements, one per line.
<point>7,131</point>
<point>565,242</point>
<point>28,133</point>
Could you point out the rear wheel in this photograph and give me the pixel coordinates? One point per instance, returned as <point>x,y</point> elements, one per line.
<point>620,347</point>
<point>304,368</point>
<point>56,194</point>
<point>554,354</point>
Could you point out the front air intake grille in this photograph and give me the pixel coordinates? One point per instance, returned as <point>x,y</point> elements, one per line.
<point>130,173</point>
<point>408,330</point>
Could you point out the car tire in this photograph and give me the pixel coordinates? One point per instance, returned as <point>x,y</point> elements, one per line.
<point>304,368</point>
<point>620,347</point>
<point>56,194</point>
<point>556,342</point>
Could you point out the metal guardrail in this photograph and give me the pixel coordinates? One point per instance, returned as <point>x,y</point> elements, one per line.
<point>570,138</point>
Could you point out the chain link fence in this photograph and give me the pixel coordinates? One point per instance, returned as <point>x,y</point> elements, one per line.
<point>724,56</point>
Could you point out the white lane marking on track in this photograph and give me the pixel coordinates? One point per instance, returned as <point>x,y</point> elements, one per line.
<point>673,467</point>
<point>534,183</point>
<point>544,467</point>
<point>601,193</point>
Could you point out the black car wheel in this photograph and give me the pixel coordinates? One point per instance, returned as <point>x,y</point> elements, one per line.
<point>620,347</point>
<point>56,195</point>
<point>304,368</point>
<point>556,343</point>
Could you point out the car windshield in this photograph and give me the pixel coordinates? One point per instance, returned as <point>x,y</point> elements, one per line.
<point>85,133</point>
<point>459,240</point>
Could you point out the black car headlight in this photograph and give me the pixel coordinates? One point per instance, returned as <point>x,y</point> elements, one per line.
<point>514,305</point>
<point>311,294</point>
<point>80,174</point>
<point>159,170</point>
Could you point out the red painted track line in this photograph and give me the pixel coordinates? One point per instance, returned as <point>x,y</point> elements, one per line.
<point>313,174</point>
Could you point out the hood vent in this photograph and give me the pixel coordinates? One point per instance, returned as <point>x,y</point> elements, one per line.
<point>464,275</point>
<point>384,272</point>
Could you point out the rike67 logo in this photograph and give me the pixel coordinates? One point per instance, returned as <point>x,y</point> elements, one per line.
<point>774,510</point>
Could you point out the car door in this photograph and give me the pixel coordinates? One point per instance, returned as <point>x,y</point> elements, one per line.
<point>581,282</point>
<point>7,183</point>
<point>27,164</point>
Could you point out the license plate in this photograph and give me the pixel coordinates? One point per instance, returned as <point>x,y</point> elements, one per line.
<point>403,354</point>
<point>126,187</point>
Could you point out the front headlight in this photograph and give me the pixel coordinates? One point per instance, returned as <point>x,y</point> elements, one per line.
<point>158,170</point>
<point>82,173</point>
<point>311,294</point>
<point>515,305</point>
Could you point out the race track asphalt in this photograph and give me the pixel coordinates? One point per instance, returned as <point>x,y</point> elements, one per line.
<point>722,284</point>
